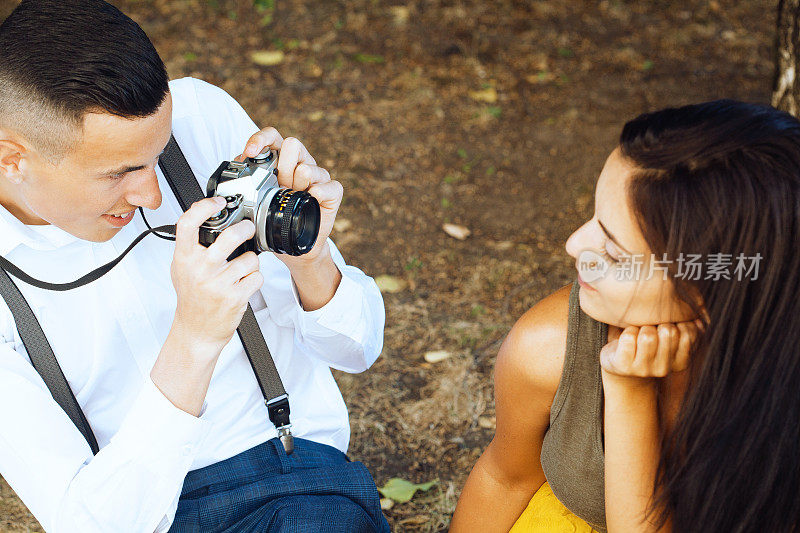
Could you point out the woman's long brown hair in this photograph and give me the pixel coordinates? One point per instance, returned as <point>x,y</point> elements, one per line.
<point>723,177</point>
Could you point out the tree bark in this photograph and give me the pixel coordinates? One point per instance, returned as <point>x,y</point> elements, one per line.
<point>786,87</point>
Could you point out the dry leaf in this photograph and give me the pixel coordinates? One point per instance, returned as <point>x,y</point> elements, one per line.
<point>267,58</point>
<point>388,283</point>
<point>487,422</point>
<point>313,117</point>
<point>342,224</point>
<point>488,95</point>
<point>456,231</point>
<point>314,70</point>
<point>436,356</point>
<point>400,14</point>
<point>386,504</point>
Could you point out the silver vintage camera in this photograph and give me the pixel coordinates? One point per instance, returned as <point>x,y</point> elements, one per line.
<point>287,221</point>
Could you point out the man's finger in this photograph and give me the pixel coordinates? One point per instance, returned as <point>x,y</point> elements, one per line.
<point>292,153</point>
<point>230,239</point>
<point>268,137</point>
<point>306,175</point>
<point>187,230</point>
<point>329,195</point>
<point>240,267</point>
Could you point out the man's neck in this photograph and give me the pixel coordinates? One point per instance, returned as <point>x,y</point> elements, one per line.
<point>13,207</point>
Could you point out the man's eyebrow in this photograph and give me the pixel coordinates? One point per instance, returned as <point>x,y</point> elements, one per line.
<point>120,171</point>
<point>125,170</point>
<point>613,239</point>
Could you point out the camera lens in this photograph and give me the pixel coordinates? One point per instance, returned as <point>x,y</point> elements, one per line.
<point>292,222</point>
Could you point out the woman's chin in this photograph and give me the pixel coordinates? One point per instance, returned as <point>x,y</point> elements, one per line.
<point>589,305</point>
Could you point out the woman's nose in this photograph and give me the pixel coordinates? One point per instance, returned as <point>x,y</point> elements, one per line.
<point>579,240</point>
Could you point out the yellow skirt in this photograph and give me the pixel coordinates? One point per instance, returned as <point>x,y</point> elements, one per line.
<point>546,514</point>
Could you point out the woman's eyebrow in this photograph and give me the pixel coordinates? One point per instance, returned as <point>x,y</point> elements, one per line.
<point>613,239</point>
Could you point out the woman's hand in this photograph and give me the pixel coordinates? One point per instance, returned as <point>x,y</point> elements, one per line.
<point>630,364</point>
<point>636,355</point>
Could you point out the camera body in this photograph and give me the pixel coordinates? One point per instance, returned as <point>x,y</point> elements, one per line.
<point>286,221</point>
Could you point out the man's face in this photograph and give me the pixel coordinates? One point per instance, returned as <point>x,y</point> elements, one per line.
<point>111,171</point>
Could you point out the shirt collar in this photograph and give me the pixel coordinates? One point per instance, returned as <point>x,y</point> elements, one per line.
<point>45,237</point>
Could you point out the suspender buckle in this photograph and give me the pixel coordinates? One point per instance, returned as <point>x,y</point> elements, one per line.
<point>285,434</point>
<point>278,409</point>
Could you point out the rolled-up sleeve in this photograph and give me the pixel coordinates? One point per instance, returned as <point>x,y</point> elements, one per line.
<point>347,332</point>
<point>132,484</point>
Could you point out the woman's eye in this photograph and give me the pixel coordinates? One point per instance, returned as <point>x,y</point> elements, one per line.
<point>610,254</point>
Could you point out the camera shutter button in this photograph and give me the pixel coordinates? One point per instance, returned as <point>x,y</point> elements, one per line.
<point>262,157</point>
<point>233,201</point>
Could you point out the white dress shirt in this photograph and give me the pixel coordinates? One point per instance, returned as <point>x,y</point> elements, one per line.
<point>108,334</point>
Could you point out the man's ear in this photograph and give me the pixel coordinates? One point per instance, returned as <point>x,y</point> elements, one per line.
<point>11,155</point>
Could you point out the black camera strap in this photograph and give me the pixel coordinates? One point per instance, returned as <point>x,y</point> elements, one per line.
<point>187,191</point>
<point>184,184</point>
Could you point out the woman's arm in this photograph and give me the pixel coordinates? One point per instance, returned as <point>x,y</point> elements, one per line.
<point>631,452</point>
<point>527,374</point>
<point>631,364</point>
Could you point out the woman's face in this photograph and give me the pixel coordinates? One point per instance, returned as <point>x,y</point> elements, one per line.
<point>622,284</point>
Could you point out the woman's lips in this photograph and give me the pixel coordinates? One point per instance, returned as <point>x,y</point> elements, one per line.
<point>118,222</point>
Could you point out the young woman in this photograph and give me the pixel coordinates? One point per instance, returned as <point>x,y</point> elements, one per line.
<point>662,392</point>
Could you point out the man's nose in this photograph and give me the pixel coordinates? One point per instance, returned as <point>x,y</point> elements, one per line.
<point>145,191</point>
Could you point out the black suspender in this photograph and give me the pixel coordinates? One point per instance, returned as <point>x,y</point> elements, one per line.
<point>42,356</point>
<point>180,177</point>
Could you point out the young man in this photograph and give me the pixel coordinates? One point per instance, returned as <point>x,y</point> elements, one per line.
<point>149,349</point>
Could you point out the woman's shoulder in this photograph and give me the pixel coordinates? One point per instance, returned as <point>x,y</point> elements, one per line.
<point>533,353</point>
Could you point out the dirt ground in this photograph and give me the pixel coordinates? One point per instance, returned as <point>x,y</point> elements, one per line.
<point>496,116</point>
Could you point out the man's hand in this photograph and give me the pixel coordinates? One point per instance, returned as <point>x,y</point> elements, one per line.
<point>635,355</point>
<point>315,274</point>
<point>212,292</point>
<point>297,170</point>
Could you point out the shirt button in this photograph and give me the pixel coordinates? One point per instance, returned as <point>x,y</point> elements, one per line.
<point>187,450</point>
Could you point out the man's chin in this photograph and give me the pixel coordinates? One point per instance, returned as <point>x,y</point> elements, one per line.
<point>102,232</point>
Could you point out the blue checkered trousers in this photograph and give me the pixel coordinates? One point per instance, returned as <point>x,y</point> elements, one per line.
<point>316,489</point>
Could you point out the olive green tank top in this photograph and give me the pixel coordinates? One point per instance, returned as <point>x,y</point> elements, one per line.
<point>572,451</point>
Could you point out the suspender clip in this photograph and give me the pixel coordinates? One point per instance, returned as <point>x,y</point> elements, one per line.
<point>278,409</point>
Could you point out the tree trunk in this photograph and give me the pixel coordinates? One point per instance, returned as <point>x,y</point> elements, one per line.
<point>786,87</point>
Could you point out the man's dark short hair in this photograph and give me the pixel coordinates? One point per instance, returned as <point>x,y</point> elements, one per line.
<point>63,58</point>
